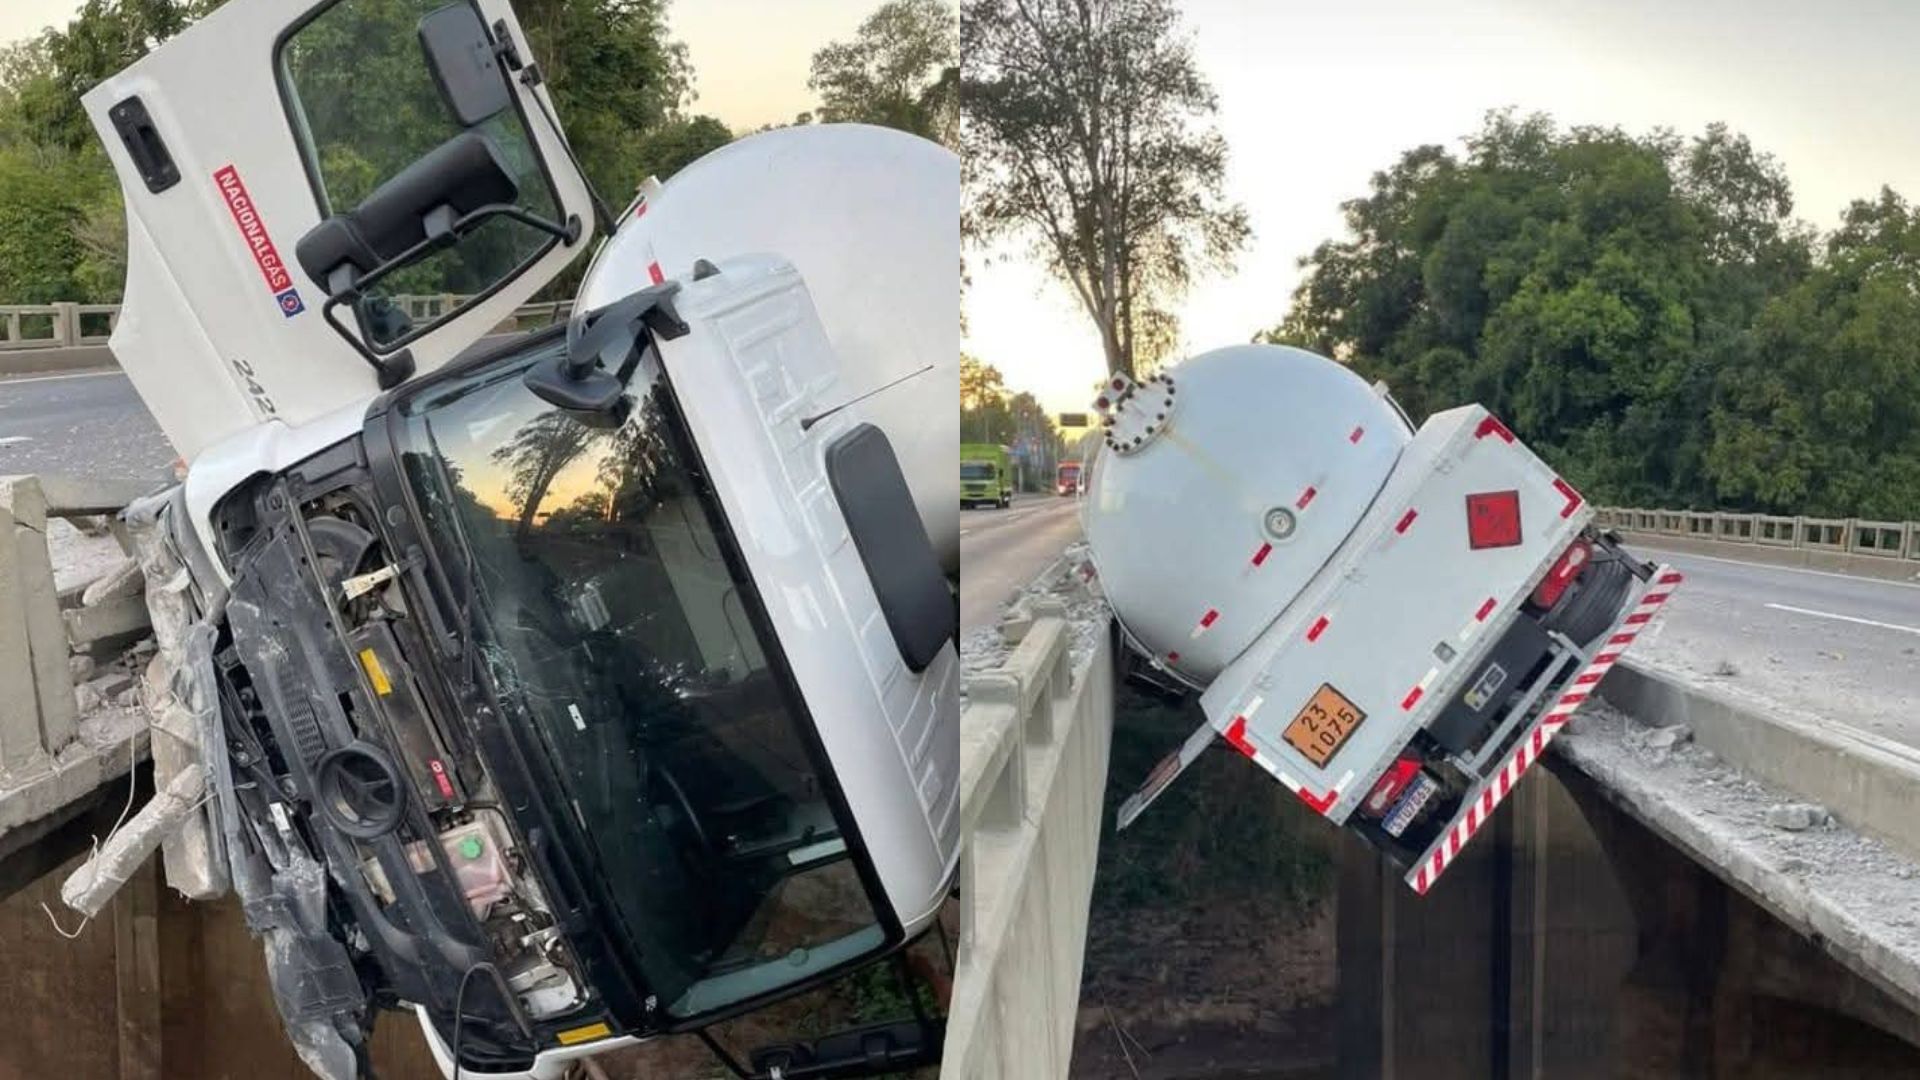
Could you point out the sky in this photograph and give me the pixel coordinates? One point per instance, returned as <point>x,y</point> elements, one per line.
<point>750,57</point>
<point>1314,98</point>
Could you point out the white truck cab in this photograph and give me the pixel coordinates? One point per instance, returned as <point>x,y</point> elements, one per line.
<point>571,687</point>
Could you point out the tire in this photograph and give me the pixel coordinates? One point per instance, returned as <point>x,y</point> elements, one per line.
<point>1594,602</point>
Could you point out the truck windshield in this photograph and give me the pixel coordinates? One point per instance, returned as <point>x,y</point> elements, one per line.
<point>607,616</point>
<point>976,470</point>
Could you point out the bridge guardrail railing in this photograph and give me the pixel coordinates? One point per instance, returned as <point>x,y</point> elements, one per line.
<point>1890,540</point>
<point>1033,768</point>
<point>26,327</point>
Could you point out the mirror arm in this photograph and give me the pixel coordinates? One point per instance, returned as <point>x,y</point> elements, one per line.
<point>346,287</point>
<point>603,348</point>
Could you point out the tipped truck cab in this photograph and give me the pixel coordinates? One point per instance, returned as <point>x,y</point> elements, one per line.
<point>576,686</point>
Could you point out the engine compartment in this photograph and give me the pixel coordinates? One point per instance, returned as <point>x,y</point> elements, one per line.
<point>371,833</point>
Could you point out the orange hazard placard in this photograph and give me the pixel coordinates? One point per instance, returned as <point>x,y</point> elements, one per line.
<point>1322,727</point>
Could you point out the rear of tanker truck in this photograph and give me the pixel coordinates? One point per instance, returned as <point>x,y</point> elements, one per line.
<point>1392,622</point>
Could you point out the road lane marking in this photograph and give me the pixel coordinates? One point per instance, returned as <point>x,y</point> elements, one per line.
<point>1845,618</point>
<point>1858,578</point>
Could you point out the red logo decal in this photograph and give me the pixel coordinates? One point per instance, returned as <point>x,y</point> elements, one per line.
<point>233,192</point>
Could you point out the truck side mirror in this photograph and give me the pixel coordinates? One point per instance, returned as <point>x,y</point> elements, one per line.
<point>464,64</point>
<point>424,201</point>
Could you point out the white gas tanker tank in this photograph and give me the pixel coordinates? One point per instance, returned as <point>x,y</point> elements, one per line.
<point>866,215</point>
<point>1254,457</point>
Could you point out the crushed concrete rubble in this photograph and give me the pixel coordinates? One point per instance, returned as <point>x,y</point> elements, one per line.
<point>1797,817</point>
<point>1857,894</point>
<point>1068,582</point>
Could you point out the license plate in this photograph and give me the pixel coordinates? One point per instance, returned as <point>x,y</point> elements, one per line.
<point>1410,804</point>
<point>1322,728</point>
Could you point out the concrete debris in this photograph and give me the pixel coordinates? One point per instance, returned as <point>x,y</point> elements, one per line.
<point>1065,587</point>
<point>80,667</point>
<point>1725,669</point>
<point>87,698</point>
<point>122,581</point>
<point>1796,817</point>
<point>1667,738</point>
<point>89,887</point>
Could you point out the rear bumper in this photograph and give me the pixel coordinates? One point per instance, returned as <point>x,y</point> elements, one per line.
<point>1565,699</point>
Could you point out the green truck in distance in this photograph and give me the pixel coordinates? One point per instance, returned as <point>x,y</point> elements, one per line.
<point>986,476</point>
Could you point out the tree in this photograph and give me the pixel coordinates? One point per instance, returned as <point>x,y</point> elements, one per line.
<point>536,454</point>
<point>1087,135</point>
<point>984,417</point>
<point>1595,289</point>
<point>1822,415</point>
<point>900,71</point>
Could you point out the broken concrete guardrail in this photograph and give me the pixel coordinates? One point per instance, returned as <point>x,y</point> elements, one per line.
<point>69,716</point>
<point>1034,739</point>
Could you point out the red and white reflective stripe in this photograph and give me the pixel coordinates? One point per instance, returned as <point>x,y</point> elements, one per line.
<point>1574,498</point>
<point>1490,425</point>
<point>1419,688</point>
<point>1479,619</point>
<point>654,272</point>
<point>1357,433</point>
<point>1406,520</point>
<point>1305,497</point>
<point>1206,623</point>
<point>1260,556</point>
<point>1534,742</point>
<point>1319,627</point>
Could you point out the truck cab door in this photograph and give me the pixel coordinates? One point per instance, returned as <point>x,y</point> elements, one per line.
<point>324,196</point>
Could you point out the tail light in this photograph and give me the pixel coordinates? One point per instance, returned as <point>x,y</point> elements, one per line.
<point>1564,570</point>
<point>1388,787</point>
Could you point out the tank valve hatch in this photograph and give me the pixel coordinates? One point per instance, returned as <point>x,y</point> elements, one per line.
<point>1133,413</point>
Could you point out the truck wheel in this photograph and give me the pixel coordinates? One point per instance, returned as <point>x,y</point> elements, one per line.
<point>1594,601</point>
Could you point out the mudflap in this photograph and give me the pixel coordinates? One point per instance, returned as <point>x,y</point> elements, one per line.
<point>1478,807</point>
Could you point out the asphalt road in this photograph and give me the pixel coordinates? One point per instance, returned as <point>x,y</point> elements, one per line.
<point>1846,649</point>
<point>1001,550</point>
<point>83,424</point>
<point>1841,648</point>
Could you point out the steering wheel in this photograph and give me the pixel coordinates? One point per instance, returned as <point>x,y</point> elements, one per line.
<point>685,806</point>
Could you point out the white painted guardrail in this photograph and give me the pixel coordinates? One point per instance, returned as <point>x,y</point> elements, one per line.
<point>67,325</point>
<point>1836,536</point>
<point>1034,739</point>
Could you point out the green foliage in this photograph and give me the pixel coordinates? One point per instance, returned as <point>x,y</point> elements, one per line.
<point>45,198</point>
<point>1221,832</point>
<point>618,80</point>
<point>1644,311</point>
<point>1822,410</point>
<point>901,70</point>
